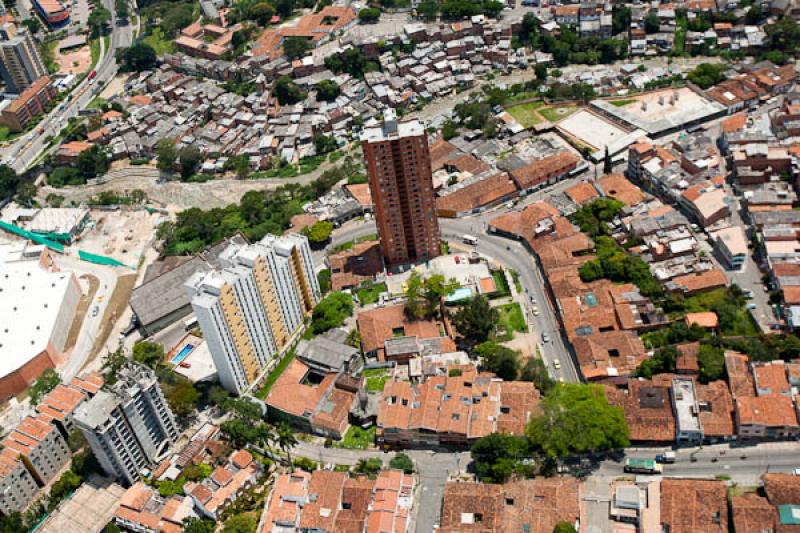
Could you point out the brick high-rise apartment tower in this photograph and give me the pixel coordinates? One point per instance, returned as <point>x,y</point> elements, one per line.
<point>399,168</point>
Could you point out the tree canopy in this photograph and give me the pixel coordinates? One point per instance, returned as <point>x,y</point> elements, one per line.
<point>295,47</point>
<point>502,361</point>
<point>331,312</point>
<point>287,92</point>
<point>148,353</point>
<point>475,320</point>
<point>328,90</point>
<point>498,455</point>
<point>706,74</point>
<point>47,381</point>
<point>424,295</point>
<point>576,418</point>
<point>139,57</point>
<point>319,232</point>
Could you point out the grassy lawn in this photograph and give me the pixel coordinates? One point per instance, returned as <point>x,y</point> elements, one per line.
<point>369,294</point>
<point>511,319</point>
<point>96,103</point>
<point>289,171</point>
<point>335,156</point>
<point>310,164</point>
<point>376,377</point>
<point>4,133</point>
<point>554,114</point>
<point>525,114</point>
<point>500,283</point>
<point>274,375</point>
<point>160,43</point>
<point>623,103</point>
<point>94,48</point>
<point>357,438</point>
<point>515,277</point>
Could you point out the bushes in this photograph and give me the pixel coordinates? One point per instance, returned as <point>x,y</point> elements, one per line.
<point>615,264</point>
<point>61,176</point>
<point>331,312</point>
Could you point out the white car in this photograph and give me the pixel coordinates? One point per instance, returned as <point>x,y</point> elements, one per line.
<point>556,364</point>
<point>535,311</point>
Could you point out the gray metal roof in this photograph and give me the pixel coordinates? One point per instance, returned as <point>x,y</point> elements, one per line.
<point>325,353</point>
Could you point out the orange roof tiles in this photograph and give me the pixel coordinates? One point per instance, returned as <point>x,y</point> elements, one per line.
<point>360,193</point>
<point>352,267</point>
<point>740,379</point>
<point>141,505</point>
<point>647,409</point>
<point>771,377</point>
<point>436,405</point>
<point>441,151</point>
<point>313,26</point>
<point>734,123</point>
<point>378,325</point>
<point>140,99</point>
<point>541,170</point>
<point>782,489</point>
<point>791,295</point>
<point>582,193</point>
<point>475,195</point>
<point>752,513</point>
<point>706,319</point>
<point>618,187</point>
<point>61,402</point>
<point>769,410</point>
<point>600,352</point>
<point>89,383</point>
<point>531,505</point>
<point>467,163</point>
<point>694,505</point>
<point>710,279</point>
<point>716,415</point>
<point>29,93</point>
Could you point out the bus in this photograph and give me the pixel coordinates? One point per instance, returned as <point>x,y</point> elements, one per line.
<point>190,324</point>
<point>469,239</point>
<point>642,466</point>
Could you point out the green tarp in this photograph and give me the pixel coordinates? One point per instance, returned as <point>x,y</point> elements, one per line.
<point>38,239</point>
<point>101,259</point>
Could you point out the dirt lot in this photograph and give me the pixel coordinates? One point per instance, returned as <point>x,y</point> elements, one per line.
<point>116,306</point>
<point>122,234</point>
<point>73,61</point>
<point>83,308</point>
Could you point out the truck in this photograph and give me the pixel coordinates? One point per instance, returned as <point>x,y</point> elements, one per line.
<point>469,239</point>
<point>92,75</point>
<point>642,466</point>
<point>666,457</point>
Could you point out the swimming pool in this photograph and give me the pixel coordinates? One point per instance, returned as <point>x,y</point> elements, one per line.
<point>462,293</point>
<point>183,354</point>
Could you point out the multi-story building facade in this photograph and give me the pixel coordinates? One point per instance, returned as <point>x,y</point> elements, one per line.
<point>399,168</point>
<point>40,446</point>
<point>129,426</point>
<point>32,102</point>
<point>20,61</point>
<point>250,309</point>
<point>17,486</point>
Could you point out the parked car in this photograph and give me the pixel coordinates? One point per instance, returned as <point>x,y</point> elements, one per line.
<point>556,364</point>
<point>751,306</point>
<point>545,337</point>
<point>535,311</point>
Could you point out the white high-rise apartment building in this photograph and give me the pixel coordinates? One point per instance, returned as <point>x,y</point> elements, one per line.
<point>250,309</point>
<point>130,426</point>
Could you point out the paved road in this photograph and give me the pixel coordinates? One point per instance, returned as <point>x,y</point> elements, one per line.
<point>511,254</point>
<point>25,150</point>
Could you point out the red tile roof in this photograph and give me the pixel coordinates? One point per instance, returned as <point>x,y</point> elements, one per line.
<point>475,195</point>
<point>769,410</point>
<point>694,505</point>
<point>541,170</point>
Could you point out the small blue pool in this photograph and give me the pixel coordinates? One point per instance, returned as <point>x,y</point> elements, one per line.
<point>462,293</point>
<point>183,354</point>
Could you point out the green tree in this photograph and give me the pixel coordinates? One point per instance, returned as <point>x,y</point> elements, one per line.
<point>26,192</point>
<point>475,320</point>
<point>415,303</point>
<point>12,523</point>
<point>620,19</point>
<point>9,181</point>
<point>651,23</point>
<point>331,312</point>
<point>189,158</point>
<point>541,72</point>
<point>497,456</point>
<point>324,144</point>
<point>67,483</point>
<point>319,232</point>
<point>286,91</point>
<point>112,364</point>
<point>369,14</point>
<point>148,353</point>
<point>436,287</point>
<point>564,527</point>
<point>75,440</point>
<point>784,35</point>
<point>328,90</point>
<point>295,47</point>
<point>98,20</point>
<point>369,467</point>
<point>240,523</point>
<point>712,363</point>
<point>93,161</point>
<point>192,524</point>
<point>402,462</point>
<point>428,9</point>
<point>182,398</point>
<point>177,17</point>
<point>47,381</point>
<point>139,57</point>
<point>534,370</point>
<point>576,418</point>
<point>32,24</point>
<point>262,13</point>
<point>706,74</point>
<point>502,361</point>
<point>663,361</point>
<point>112,528</point>
<point>166,154</point>
<point>449,130</point>
<point>284,437</point>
